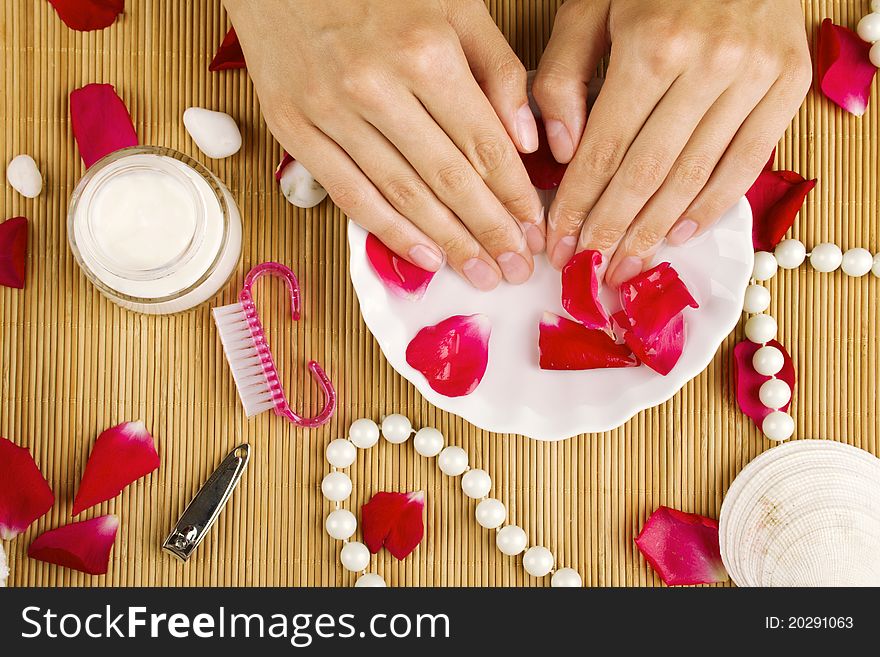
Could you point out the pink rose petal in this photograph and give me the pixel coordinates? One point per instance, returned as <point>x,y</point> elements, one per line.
<point>580,289</point>
<point>88,15</point>
<point>748,381</point>
<point>83,546</point>
<point>401,277</point>
<point>101,123</point>
<point>653,298</point>
<point>659,351</point>
<point>776,197</point>
<point>543,169</point>
<point>13,252</point>
<point>24,494</point>
<point>453,354</point>
<point>567,345</point>
<point>844,67</point>
<point>682,547</point>
<point>394,520</point>
<point>229,55</point>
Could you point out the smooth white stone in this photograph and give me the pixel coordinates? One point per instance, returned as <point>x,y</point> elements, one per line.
<point>341,524</point>
<point>857,262</point>
<point>538,561</point>
<point>566,578</point>
<point>215,133</point>
<point>428,441</point>
<point>768,360</point>
<point>336,486</point>
<point>876,268</point>
<point>476,483</point>
<point>24,176</point>
<point>757,299</point>
<point>774,393</point>
<point>511,540</point>
<point>778,426</point>
<point>300,187</point>
<point>355,556</point>
<point>452,461</point>
<point>826,257</point>
<point>396,428</point>
<point>790,254</point>
<point>364,433</point>
<point>341,453</point>
<point>765,266</point>
<point>491,513</point>
<point>761,328</point>
<point>370,580</point>
<point>874,54</point>
<point>869,27</point>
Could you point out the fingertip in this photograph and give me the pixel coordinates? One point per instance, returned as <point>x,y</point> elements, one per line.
<point>625,269</point>
<point>681,232</point>
<point>429,258</point>
<point>526,129</point>
<point>563,251</point>
<point>560,140</point>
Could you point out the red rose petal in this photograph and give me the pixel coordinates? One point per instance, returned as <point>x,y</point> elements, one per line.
<point>748,381</point>
<point>83,546</point>
<point>229,55</point>
<point>653,298</point>
<point>567,345</point>
<point>401,277</point>
<point>24,493</point>
<point>279,170</point>
<point>844,67</point>
<point>660,351</point>
<point>395,521</point>
<point>121,456</point>
<point>682,547</point>
<point>13,252</point>
<point>544,171</point>
<point>101,123</point>
<point>775,199</point>
<point>580,289</point>
<point>87,15</point>
<point>453,354</point>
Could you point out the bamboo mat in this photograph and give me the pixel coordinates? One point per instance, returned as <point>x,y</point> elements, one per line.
<point>72,363</point>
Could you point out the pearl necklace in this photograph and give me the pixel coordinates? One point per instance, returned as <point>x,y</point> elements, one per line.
<point>491,513</point>
<point>869,30</point>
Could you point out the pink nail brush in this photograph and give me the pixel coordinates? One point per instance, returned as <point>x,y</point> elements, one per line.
<point>249,356</point>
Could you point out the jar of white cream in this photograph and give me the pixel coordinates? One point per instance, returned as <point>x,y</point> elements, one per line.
<point>154,230</point>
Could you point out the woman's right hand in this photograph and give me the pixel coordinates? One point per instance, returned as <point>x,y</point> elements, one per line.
<point>410,115</point>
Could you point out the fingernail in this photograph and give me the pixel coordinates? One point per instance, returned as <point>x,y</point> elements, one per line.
<point>514,267</point>
<point>681,232</point>
<point>560,140</point>
<point>534,238</point>
<point>480,274</point>
<point>628,267</point>
<point>563,251</point>
<point>526,130</point>
<point>426,257</point>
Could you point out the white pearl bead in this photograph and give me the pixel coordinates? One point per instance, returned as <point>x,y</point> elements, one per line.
<point>355,556</point>
<point>341,524</point>
<point>778,425</point>
<point>876,268</point>
<point>364,433</point>
<point>826,257</point>
<point>869,28</point>
<point>453,461</point>
<point>491,513</point>
<point>428,441</point>
<point>396,428</point>
<point>768,360</point>
<point>341,453</point>
<point>765,266</point>
<point>757,299</point>
<point>874,54</point>
<point>774,393</point>
<point>538,561</point>
<point>761,328</point>
<point>336,486</point>
<point>875,6</point>
<point>857,262</point>
<point>790,254</point>
<point>511,540</point>
<point>566,578</point>
<point>476,483</point>
<point>370,580</point>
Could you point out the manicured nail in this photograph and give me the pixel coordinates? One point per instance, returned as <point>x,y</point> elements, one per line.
<point>514,267</point>
<point>563,251</point>
<point>628,267</point>
<point>526,130</point>
<point>426,257</point>
<point>681,232</point>
<point>480,274</point>
<point>560,140</point>
<point>534,238</point>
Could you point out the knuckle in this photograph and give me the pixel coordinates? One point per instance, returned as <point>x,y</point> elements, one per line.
<point>645,238</point>
<point>458,246</point>
<point>645,173</point>
<point>511,73</point>
<point>602,157</point>
<point>521,205</point>
<point>567,219</point>
<point>797,72</point>
<point>601,235</point>
<point>425,51</point>
<point>691,173</point>
<point>364,86</point>
<point>348,196</point>
<point>496,238</point>
<point>489,155</point>
<point>754,154</point>
<point>726,56</point>
<point>405,192</point>
<point>452,179</point>
<point>665,45</point>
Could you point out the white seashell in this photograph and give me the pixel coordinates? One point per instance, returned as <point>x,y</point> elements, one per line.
<point>215,133</point>
<point>300,187</point>
<point>806,513</point>
<point>24,176</point>
<point>4,568</point>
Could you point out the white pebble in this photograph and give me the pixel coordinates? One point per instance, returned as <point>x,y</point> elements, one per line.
<point>774,393</point>
<point>215,133</point>
<point>370,580</point>
<point>761,328</point>
<point>826,257</point>
<point>341,453</point>
<point>355,556</point>
<point>336,486</point>
<point>765,266</point>
<point>491,513</point>
<point>790,254</point>
<point>476,483</point>
<point>428,441</point>
<point>24,176</point>
<point>538,561</point>
<point>511,540</point>
<point>757,299</point>
<point>300,187</point>
<point>768,361</point>
<point>341,524</point>
<point>874,54</point>
<point>566,578</point>
<point>778,426</point>
<point>857,262</point>
<point>364,433</point>
<point>396,428</point>
<point>876,268</point>
<point>869,27</point>
<point>452,461</point>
